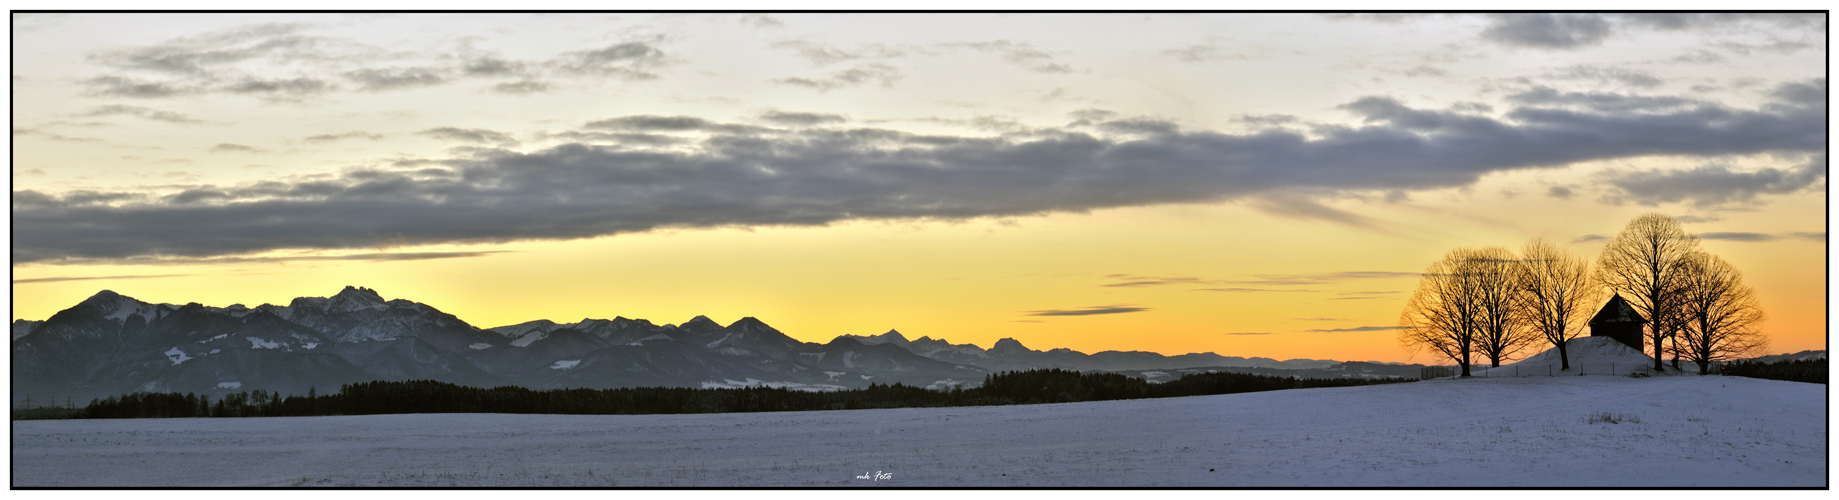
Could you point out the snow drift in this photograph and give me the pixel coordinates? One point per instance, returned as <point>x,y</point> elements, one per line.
<point>1589,356</point>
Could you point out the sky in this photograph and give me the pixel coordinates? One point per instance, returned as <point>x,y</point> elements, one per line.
<point>1247,184</point>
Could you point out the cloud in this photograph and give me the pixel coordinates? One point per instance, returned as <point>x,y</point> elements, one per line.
<point>329,138</point>
<point>377,79</point>
<point>1247,290</point>
<point>283,259</point>
<point>1762,237</point>
<point>1801,93</point>
<point>119,86</point>
<point>288,89</point>
<point>1089,311</point>
<point>1560,192</point>
<point>142,113</point>
<point>1019,54</point>
<point>491,66</point>
<point>474,135</point>
<point>653,123</point>
<point>629,61</point>
<point>854,77</point>
<point>1131,281</point>
<point>52,136</point>
<point>761,21</point>
<point>801,119</point>
<point>233,148</point>
<point>822,54</point>
<point>201,54</point>
<point>1714,185</point>
<point>1672,21</point>
<point>1745,237</point>
<point>1589,238</point>
<point>1538,30</point>
<point>1197,53</point>
<point>1547,31</point>
<point>1357,329</point>
<point>522,87</point>
<point>1363,295</point>
<point>1292,206</point>
<point>87,278</point>
<point>1608,75</point>
<point>1425,70</point>
<point>741,175</point>
<point>1601,101</point>
<point>1325,278</point>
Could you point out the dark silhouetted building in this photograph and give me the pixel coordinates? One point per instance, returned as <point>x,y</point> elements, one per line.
<point>1619,321</point>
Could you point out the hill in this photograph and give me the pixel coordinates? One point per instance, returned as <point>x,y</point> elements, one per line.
<point>1588,431</point>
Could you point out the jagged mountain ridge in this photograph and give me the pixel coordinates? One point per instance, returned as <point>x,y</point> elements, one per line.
<point>1009,354</point>
<point>112,344</point>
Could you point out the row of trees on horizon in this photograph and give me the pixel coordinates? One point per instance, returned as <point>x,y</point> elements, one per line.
<point>426,396</point>
<point>1492,302</point>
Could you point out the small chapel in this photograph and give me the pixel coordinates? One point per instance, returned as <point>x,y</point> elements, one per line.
<point>1618,320</point>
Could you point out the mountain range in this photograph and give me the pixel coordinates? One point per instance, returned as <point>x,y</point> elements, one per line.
<point>112,344</point>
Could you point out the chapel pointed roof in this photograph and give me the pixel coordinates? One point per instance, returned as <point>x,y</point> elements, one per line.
<point>1617,310</point>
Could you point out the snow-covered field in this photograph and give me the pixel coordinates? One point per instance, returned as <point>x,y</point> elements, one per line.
<point>1672,431</point>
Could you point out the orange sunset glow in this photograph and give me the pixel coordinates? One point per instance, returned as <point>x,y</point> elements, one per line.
<point>1250,185</point>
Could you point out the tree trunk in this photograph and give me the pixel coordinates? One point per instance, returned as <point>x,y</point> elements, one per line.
<point>1657,355</point>
<point>1564,360</point>
<point>1703,367</point>
<point>1465,369</point>
<point>1675,339</point>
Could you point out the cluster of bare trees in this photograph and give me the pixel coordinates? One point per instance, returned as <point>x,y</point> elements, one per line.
<point>1492,302</point>
<point>1696,303</point>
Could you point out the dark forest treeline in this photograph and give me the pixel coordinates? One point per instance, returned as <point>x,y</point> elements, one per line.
<point>424,396</point>
<point>1799,370</point>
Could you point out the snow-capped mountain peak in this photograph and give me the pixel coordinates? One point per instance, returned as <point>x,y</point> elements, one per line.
<point>357,298</point>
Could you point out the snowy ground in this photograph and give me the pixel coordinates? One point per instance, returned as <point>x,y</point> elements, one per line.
<point>1673,431</point>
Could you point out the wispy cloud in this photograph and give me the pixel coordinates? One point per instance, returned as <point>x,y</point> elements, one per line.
<point>1089,311</point>
<point>234,148</point>
<point>87,278</point>
<point>1324,278</point>
<point>1247,290</point>
<point>882,74</point>
<point>143,113</point>
<point>1292,206</point>
<point>1357,329</point>
<point>1020,54</point>
<point>1129,280</point>
<point>474,135</point>
<point>1715,185</point>
<point>1749,237</point>
<point>328,138</point>
<point>1738,236</point>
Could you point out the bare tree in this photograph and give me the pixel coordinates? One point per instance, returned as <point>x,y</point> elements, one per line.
<point>1643,264</point>
<point>1722,315</point>
<point>1556,295</point>
<point>1443,314</point>
<point>1500,331</point>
